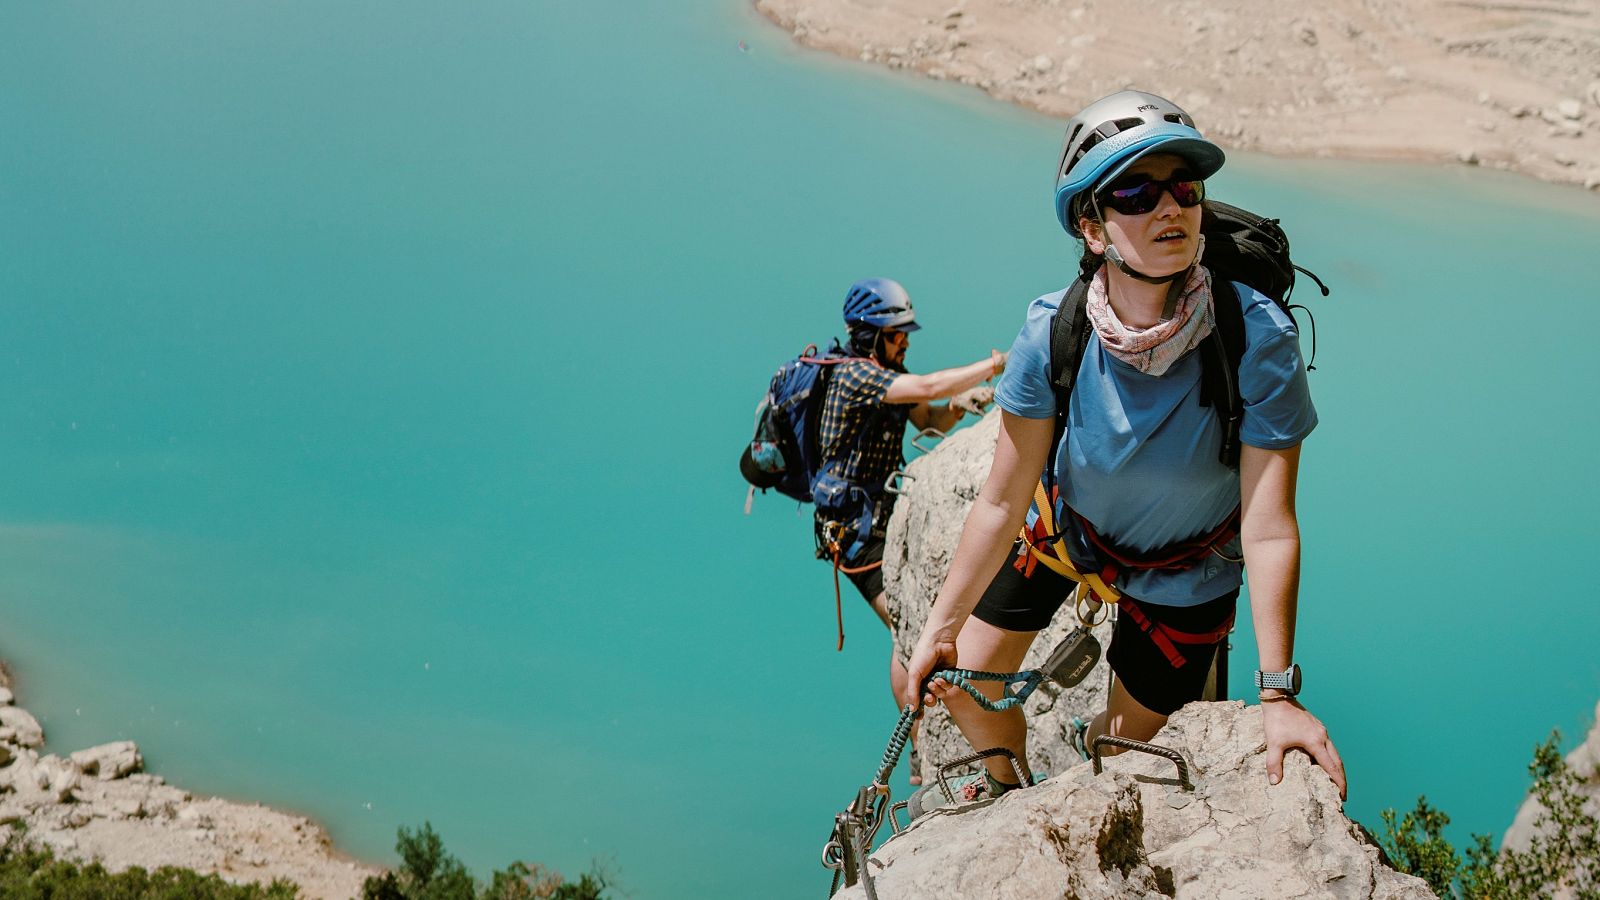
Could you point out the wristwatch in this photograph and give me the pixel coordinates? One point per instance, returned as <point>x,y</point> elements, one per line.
<point>1287,681</point>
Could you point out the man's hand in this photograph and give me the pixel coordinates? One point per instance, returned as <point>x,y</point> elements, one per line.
<point>972,401</point>
<point>1290,725</point>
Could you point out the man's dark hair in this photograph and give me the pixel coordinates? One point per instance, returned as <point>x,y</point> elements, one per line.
<point>867,340</point>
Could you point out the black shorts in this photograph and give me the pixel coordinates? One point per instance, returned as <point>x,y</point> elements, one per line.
<point>1015,602</point>
<point>1018,602</point>
<point>1143,667</point>
<point>870,582</point>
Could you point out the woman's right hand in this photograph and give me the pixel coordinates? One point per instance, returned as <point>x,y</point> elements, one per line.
<point>934,652</point>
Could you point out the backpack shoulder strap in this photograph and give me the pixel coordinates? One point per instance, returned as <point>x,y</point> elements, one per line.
<point>1069,336</point>
<point>1220,357</point>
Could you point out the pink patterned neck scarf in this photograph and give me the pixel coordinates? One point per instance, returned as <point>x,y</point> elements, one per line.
<point>1153,350</point>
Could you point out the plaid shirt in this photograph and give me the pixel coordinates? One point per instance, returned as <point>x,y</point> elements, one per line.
<point>862,430</point>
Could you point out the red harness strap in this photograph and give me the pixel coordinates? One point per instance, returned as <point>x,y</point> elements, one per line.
<point>1173,557</point>
<point>1182,555</point>
<point>1167,638</point>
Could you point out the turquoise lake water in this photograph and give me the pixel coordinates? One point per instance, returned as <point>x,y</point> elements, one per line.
<point>374,375</point>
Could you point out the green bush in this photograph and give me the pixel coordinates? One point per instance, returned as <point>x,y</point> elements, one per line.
<point>1564,852</point>
<point>33,873</point>
<point>428,872</point>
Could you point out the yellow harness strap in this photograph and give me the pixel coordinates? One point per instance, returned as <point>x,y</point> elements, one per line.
<point>1061,563</point>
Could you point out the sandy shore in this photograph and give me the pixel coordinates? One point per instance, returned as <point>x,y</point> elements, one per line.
<point>99,804</point>
<point>1512,85</point>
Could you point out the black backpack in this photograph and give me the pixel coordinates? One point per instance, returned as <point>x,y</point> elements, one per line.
<point>1240,246</point>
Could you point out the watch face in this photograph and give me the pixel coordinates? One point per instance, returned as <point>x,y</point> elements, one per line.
<point>1294,678</point>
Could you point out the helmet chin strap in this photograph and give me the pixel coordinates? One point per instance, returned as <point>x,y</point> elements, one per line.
<point>1174,282</point>
<point>1114,256</point>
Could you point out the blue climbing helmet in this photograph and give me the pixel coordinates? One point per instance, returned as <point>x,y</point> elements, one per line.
<point>879,303</point>
<point>1114,132</point>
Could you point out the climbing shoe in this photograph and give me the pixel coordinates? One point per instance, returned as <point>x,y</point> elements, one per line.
<point>1077,736</point>
<point>968,789</point>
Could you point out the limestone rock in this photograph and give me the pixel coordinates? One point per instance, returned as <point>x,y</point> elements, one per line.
<point>25,729</point>
<point>1134,832</point>
<point>1400,80</point>
<point>96,804</point>
<point>108,761</point>
<point>41,782</point>
<point>921,541</point>
<point>1584,760</point>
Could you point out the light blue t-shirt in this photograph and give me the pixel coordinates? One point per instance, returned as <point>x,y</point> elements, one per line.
<point>1140,456</point>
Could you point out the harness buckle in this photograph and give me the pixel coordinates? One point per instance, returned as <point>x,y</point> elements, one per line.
<point>1086,603</point>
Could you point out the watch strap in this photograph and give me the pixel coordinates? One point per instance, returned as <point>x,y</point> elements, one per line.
<point>1278,681</point>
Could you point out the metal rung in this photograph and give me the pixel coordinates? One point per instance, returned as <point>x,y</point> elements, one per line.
<point>892,486</point>
<point>1166,753</point>
<point>894,823</point>
<point>1016,766</point>
<point>923,435</point>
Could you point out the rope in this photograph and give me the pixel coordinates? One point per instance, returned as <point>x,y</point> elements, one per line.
<point>897,743</point>
<point>849,847</point>
<point>838,596</point>
<point>965,678</point>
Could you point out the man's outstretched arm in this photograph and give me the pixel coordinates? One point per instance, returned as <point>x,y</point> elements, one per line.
<point>945,382</point>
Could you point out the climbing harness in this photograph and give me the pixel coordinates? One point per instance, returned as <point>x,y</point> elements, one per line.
<point>833,537</point>
<point>1166,638</point>
<point>1095,588</point>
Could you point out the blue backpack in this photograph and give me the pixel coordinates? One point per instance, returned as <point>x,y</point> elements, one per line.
<point>785,452</point>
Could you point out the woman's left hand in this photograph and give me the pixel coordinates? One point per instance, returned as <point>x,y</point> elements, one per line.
<point>1290,725</point>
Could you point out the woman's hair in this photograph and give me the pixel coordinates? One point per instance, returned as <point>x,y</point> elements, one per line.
<point>1083,208</point>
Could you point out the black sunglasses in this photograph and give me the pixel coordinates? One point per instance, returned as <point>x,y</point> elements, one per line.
<point>1135,195</point>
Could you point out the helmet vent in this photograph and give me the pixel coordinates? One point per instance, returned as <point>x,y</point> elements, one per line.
<point>1106,130</point>
<point>1077,154</point>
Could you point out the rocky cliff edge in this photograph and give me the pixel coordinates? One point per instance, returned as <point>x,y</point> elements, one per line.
<point>1135,830</point>
<point>98,804</point>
